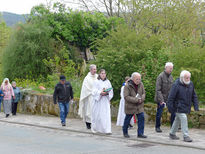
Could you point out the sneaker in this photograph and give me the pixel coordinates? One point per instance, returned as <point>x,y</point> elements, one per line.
<point>7,115</point>
<point>158,130</point>
<point>142,136</point>
<point>126,136</point>
<point>187,139</point>
<point>173,137</point>
<point>63,124</point>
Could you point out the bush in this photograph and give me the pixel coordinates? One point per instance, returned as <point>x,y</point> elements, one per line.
<point>191,58</point>
<point>49,84</point>
<point>28,46</point>
<point>124,52</point>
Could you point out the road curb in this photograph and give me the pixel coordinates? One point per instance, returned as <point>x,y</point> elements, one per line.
<point>108,136</point>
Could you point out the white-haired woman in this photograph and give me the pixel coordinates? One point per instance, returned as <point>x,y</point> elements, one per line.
<point>8,94</point>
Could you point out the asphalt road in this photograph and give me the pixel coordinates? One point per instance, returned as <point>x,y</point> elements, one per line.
<point>21,139</point>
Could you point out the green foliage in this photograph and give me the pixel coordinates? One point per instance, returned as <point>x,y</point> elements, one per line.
<point>191,58</point>
<point>76,85</point>
<point>49,84</point>
<point>77,27</point>
<point>155,32</point>
<point>27,83</point>
<point>61,64</point>
<point>28,46</point>
<point>4,37</point>
<point>159,32</point>
<point>124,52</point>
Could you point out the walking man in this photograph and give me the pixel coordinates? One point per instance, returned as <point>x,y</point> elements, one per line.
<point>64,93</point>
<point>180,99</point>
<point>163,86</point>
<point>134,95</point>
<point>86,98</point>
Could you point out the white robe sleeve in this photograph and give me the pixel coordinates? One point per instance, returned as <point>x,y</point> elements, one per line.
<point>96,91</point>
<point>122,92</point>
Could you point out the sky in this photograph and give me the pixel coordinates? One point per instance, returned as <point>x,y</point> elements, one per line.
<point>21,6</point>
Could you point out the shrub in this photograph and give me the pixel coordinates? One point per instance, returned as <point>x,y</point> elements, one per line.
<point>124,52</point>
<point>191,58</point>
<point>28,46</point>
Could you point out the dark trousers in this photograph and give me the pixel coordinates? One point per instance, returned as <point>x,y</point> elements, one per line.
<point>140,122</point>
<point>159,116</point>
<point>14,107</point>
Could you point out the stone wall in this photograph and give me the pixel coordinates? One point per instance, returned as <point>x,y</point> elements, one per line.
<point>41,104</point>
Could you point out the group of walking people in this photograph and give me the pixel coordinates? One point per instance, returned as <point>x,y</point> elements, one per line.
<point>10,96</point>
<point>178,96</point>
<point>97,91</point>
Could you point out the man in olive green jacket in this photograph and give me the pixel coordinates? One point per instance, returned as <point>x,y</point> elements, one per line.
<point>163,85</point>
<point>134,95</point>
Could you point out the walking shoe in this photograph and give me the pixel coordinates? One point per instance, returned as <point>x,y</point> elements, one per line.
<point>63,124</point>
<point>187,139</point>
<point>7,115</point>
<point>173,137</point>
<point>158,130</point>
<point>88,125</point>
<point>126,136</point>
<point>142,136</point>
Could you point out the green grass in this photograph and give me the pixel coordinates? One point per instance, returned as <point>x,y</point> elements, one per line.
<point>34,86</point>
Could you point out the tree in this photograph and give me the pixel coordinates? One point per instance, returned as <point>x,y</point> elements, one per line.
<point>4,37</point>
<point>110,7</point>
<point>28,46</point>
<point>76,28</point>
<point>160,31</point>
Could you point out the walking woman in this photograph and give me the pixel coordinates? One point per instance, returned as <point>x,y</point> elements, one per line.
<point>102,94</point>
<point>15,101</point>
<point>8,94</point>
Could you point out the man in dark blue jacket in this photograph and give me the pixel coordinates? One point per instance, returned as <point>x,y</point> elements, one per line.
<point>64,93</point>
<point>180,99</point>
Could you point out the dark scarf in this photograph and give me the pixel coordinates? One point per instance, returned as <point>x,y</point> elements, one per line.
<point>135,86</point>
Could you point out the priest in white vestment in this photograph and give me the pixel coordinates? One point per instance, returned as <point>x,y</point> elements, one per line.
<point>121,111</point>
<point>86,98</point>
<point>102,94</point>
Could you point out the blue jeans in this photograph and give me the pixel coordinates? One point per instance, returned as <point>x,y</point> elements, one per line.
<point>159,116</point>
<point>140,122</point>
<point>64,109</point>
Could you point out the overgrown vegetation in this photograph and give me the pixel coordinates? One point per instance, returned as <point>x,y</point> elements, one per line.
<point>141,38</point>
